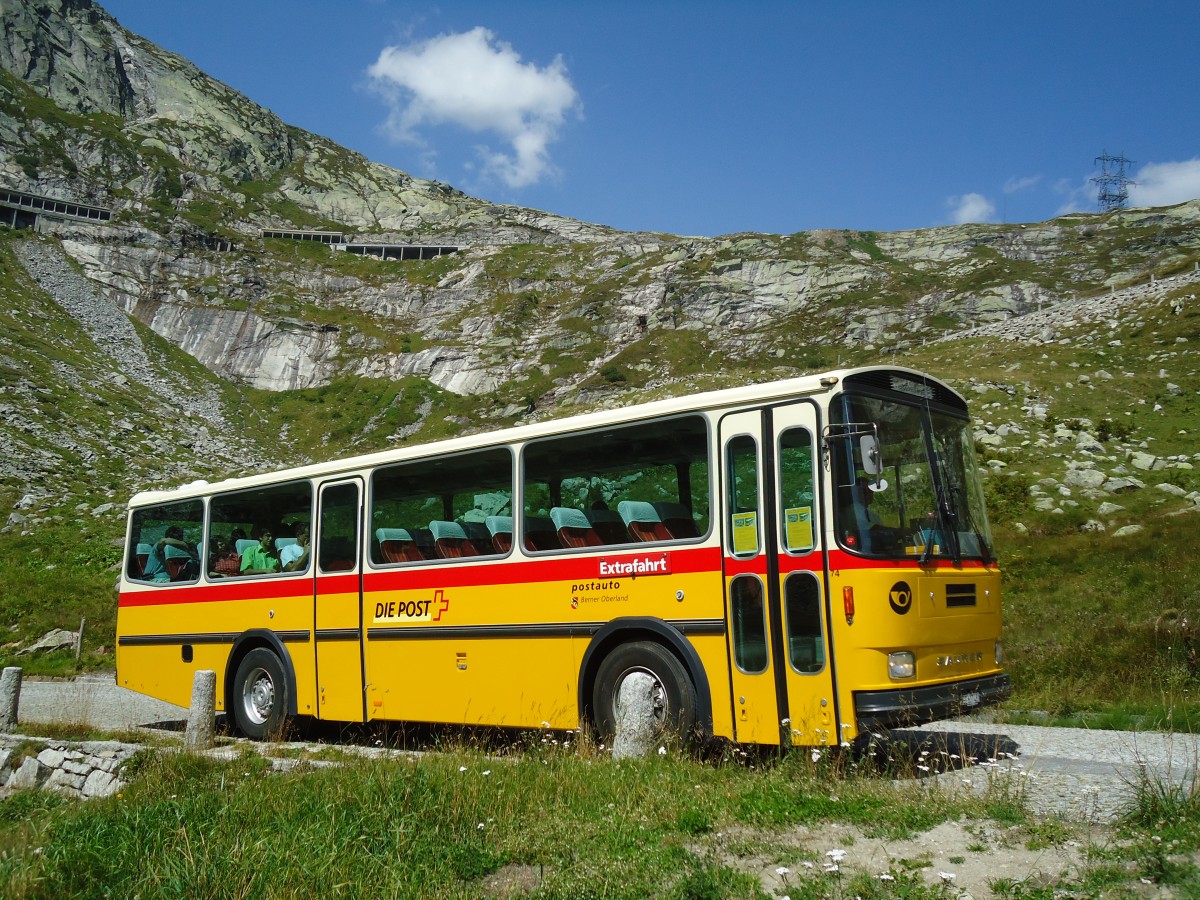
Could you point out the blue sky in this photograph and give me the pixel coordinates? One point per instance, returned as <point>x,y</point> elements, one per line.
<point>707,118</point>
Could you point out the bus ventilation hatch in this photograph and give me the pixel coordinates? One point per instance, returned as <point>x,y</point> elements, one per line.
<point>960,595</point>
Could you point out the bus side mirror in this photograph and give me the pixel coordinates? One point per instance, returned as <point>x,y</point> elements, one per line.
<point>872,461</point>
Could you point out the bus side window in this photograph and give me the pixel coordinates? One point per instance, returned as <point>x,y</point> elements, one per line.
<point>749,624</point>
<point>796,496</point>
<point>645,482</point>
<point>742,469</point>
<point>240,521</point>
<point>806,647</point>
<point>166,542</point>
<point>442,506</point>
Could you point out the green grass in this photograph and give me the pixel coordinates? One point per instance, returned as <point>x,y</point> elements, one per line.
<point>551,819</point>
<point>437,825</point>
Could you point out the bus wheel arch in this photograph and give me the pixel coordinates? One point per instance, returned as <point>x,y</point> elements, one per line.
<point>260,685</point>
<point>646,634</point>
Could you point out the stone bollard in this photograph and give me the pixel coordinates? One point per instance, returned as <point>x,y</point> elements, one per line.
<point>10,697</point>
<point>635,726</point>
<point>202,716</point>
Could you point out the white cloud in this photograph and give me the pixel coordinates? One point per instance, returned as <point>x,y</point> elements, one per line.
<point>475,81</point>
<point>971,208</point>
<point>1162,184</point>
<point>1013,185</point>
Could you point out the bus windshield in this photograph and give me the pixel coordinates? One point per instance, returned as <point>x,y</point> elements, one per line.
<point>925,500</point>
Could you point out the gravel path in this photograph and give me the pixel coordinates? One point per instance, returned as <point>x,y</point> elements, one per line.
<point>1082,773</point>
<point>97,701</point>
<point>1085,774</point>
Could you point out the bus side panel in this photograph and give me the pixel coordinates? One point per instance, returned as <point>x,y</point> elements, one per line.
<point>443,649</point>
<point>471,654</point>
<point>155,628</point>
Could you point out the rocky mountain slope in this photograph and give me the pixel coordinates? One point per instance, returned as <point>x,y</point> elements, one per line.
<point>133,350</point>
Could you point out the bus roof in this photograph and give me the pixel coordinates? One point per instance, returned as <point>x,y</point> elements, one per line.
<point>748,395</point>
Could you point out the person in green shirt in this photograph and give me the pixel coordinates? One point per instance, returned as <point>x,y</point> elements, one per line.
<point>261,559</point>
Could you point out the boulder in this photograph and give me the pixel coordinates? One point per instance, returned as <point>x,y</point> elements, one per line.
<point>1123,485</point>
<point>1128,530</point>
<point>1085,478</point>
<point>57,639</point>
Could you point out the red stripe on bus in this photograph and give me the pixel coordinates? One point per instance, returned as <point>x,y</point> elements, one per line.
<point>450,575</point>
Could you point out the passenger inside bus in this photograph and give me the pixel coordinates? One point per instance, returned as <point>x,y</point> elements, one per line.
<point>261,558</point>
<point>294,557</point>
<point>224,560</point>
<point>156,560</point>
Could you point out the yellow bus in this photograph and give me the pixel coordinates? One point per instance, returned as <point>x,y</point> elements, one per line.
<point>798,562</point>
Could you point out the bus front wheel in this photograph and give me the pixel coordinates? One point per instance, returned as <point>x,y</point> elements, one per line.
<point>672,694</point>
<point>260,700</point>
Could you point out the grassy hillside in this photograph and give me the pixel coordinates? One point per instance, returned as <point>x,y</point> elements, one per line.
<point>1094,622</point>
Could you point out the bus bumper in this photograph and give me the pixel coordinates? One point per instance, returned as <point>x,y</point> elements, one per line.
<point>915,706</point>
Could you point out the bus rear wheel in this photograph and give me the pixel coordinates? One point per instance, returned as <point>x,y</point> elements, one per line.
<point>673,696</point>
<point>260,701</point>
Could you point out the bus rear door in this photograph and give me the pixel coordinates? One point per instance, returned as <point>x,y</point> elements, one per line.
<point>339,626</point>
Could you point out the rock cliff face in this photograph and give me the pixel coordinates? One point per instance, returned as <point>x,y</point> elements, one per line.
<point>534,307</point>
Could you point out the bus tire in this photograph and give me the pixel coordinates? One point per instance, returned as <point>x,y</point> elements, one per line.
<point>674,695</point>
<point>260,701</point>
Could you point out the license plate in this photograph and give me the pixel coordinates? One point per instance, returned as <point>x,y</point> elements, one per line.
<point>971,699</point>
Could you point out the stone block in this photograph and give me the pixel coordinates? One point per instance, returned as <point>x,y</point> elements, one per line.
<point>10,697</point>
<point>52,758</point>
<point>101,784</point>
<point>64,782</point>
<point>201,725</point>
<point>30,774</point>
<point>635,725</point>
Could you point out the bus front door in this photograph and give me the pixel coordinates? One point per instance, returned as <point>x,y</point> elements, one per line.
<point>799,575</point>
<point>338,630</point>
<point>781,680</point>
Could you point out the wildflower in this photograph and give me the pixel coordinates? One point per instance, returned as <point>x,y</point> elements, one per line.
<point>462,768</point>
<point>479,827</point>
<point>947,877</point>
<point>816,755</point>
<point>487,771</point>
<point>886,877</point>
<point>808,865</point>
<point>782,870</point>
<point>833,867</point>
<point>837,854</point>
<point>923,768</point>
<point>662,751</point>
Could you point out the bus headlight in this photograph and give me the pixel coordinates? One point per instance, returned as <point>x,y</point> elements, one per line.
<point>999,653</point>
<point>902,664</point>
